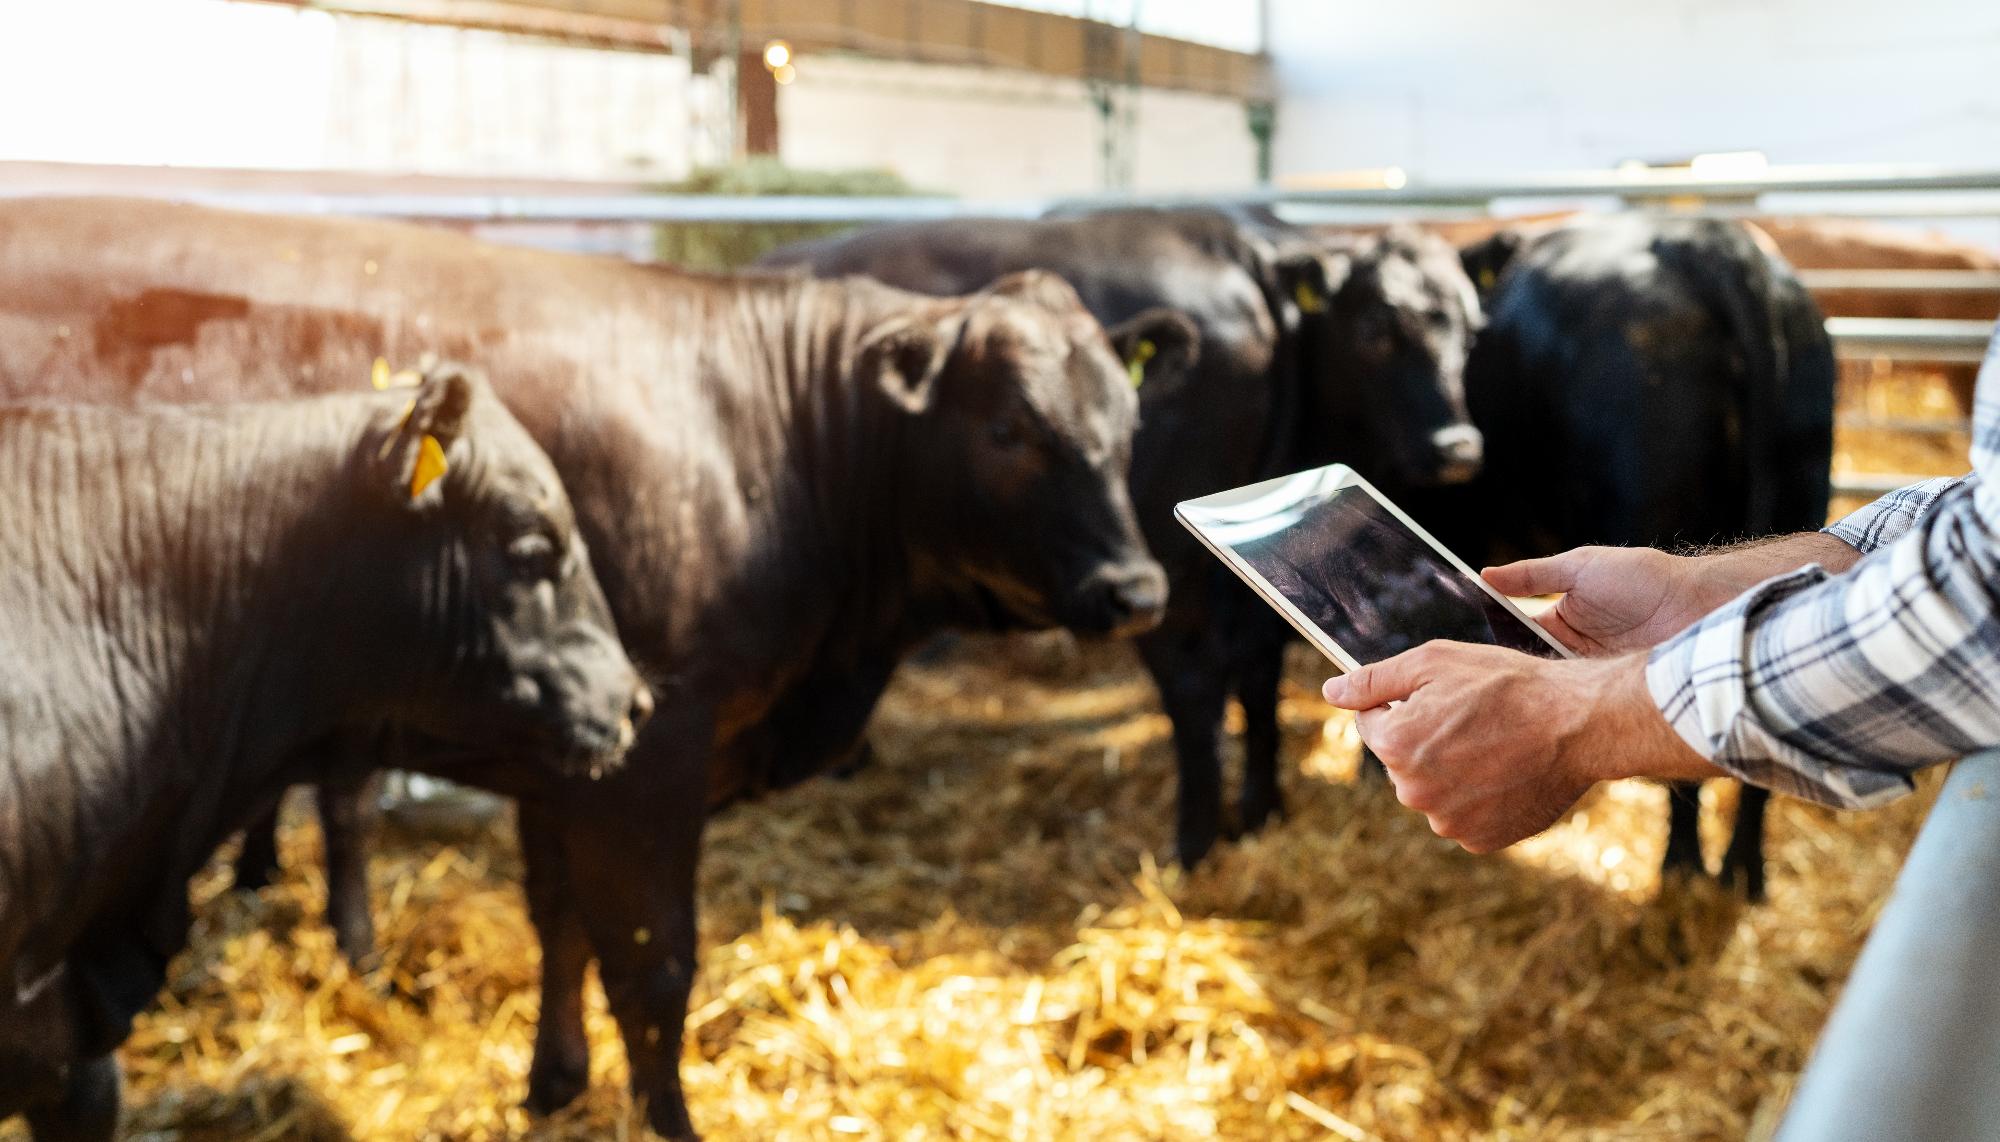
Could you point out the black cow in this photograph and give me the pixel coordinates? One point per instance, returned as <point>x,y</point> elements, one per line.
<point>1642,380</point>
<point>785,484</point>
<point>1309,352</point>
<point>193,604</point>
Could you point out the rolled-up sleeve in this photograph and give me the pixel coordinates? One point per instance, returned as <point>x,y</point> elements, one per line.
<point>1887,519</point>
<point>1838,688</point>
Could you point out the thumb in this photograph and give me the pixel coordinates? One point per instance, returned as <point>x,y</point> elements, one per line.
<point>1377,684</point>
<point>1538,576</point>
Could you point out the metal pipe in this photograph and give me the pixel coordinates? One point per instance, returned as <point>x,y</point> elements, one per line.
<point>1904,281</point>
<point>1919,425</point>
<point>1910,339</point>
<point>1912,1051</point>
<point>1651,186</point>
<point>1870,485</point>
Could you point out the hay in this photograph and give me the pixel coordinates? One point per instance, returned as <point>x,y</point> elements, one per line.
<point>977,939</point>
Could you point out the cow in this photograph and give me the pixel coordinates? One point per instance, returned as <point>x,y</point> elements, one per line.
<point>1307,352</point>
<point>195,602</point>
<point>1644,381</point>
<point>785,485</point>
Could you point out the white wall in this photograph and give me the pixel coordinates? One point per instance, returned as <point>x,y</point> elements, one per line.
<point>1445,87</point>
<point>993,134</point>
<point>209,83</point>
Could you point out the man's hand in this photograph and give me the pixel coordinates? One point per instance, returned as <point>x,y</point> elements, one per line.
<point>1494,746</point>
<point>1619,599</point>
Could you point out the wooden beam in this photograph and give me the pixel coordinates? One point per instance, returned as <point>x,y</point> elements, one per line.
<point>966,33</point>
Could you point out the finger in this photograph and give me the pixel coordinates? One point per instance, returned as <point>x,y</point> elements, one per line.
<point>1368,724</point>
<point>1538,576</point>
<point>1378,683</point>
<point>1554,622</point>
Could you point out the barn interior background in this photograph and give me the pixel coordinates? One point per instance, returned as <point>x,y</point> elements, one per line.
<point>981,935</point>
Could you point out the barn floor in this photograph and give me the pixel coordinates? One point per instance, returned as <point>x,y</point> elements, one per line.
<point>979,937</point>
<point>975,939</point>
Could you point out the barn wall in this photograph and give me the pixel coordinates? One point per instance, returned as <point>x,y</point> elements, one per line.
<point>999,134</point>
<point>208,83</point>
<point>1458,86</point>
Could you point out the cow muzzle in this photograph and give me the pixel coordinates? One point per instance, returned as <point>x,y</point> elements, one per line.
<point>595,704</point>
<point>1121,600</point>
<point>1457,453</point>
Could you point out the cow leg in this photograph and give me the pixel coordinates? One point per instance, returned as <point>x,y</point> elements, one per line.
<point>1743,861</point>
<point>349,810</point>
<point>643,930</point>
<point>1370,769</point>
<point>1683,829</point>
<point>257,865</point>
<point>620,857</point>
<point>89,1109</point>
<point>561,1068</point>
<point>1193,692</point>
<point>1257,681</point>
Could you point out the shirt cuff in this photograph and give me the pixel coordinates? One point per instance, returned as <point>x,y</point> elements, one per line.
<point>1702,683</point>
<point>1888,518</point>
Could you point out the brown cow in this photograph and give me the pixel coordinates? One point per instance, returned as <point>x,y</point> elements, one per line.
<point>785,483</point>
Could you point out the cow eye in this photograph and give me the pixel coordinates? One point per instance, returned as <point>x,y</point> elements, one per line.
<point>535,555</point>
<point>1007,432</point>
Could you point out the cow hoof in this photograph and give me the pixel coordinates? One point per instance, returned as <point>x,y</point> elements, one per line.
<point>550,1088</point>
<point>250,880</point>
<point>1258,812</point>
<point>1369,770</point>
<point>1745,878</point>
<point>863,759</point>
<point>672,1124</point>
<point>90,1106</point>
<point>1193,846</point>
<point>1683,860</point>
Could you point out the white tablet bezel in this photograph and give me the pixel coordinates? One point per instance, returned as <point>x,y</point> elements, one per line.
<point>1343,477</point>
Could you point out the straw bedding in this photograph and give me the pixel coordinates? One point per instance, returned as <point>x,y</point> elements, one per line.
<point>977,938</point>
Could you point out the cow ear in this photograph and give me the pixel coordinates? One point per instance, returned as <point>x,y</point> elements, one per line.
<point>1310,279</point>
<point>1486,260</point>
<point>903,358</point>
<point>1159,347</point>
<point>417,454</point>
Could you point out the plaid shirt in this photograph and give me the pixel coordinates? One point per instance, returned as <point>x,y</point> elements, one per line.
<point>1835,688</point>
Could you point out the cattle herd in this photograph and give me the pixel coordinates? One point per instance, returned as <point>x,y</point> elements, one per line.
<point>228,563</point>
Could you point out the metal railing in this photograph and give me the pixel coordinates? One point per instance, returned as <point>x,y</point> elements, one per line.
<point>1943,193</point>
<point>1912,1051</point>
<point>1392,190</point>
<point>1911,338</point>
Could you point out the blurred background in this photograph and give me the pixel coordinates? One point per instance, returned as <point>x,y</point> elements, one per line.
<point>978,936</point>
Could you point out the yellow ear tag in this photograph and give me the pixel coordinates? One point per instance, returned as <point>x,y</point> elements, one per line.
<point>1309,299</point>
<point>1486,279</point>
<point>379,375</point>
<point>430,465</point>
<point>1136,367</point>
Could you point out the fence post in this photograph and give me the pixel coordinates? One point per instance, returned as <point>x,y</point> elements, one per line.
<point>1913,1048</point>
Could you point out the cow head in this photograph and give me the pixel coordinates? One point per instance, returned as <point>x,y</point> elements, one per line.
<point>505,600</point>
<point>1017,419</point>
<point>1384,351</point>
<point>1486,261</point>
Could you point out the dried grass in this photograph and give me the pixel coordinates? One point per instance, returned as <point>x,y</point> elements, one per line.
<point>976,939</point>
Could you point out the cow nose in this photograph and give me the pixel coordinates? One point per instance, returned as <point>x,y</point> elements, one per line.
<point>1134,598</point>
<point>640,709</point>
<point>1459,451</point>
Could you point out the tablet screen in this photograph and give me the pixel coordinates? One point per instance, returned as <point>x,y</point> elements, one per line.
<point>1355,569</point>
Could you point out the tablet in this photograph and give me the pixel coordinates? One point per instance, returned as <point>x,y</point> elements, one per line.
<point>1357,577</point>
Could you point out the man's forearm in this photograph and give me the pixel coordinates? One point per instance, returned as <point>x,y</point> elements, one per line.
<point>1724,573</point>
